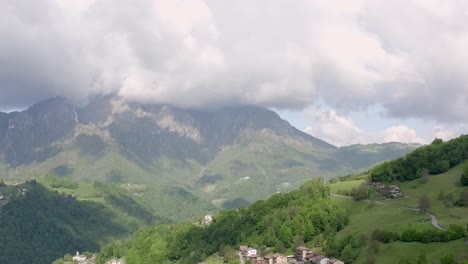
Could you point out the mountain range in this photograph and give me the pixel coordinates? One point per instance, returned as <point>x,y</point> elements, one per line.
<point>219,158</point>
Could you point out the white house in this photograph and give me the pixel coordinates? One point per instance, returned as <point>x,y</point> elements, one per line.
<point>78,257</point>
<point>324,261</point>
<point>208,219</point>
<point>251,252</point>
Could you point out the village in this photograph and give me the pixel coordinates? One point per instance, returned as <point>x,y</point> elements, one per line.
<point>88,259</point>
<point>303,255</point>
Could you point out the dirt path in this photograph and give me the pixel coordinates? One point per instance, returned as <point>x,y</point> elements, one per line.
<point>434,221</point>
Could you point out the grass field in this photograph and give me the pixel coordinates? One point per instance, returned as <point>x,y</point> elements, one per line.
<point>403,252</point>
<point>448,183</point>
<point>366,217</point>
<point>345,186</point>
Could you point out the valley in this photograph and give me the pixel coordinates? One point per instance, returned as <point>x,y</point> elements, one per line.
<point>233,132</point>
<point>160,169</point>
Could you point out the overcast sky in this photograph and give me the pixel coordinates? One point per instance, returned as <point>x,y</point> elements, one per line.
<point>344,71</point>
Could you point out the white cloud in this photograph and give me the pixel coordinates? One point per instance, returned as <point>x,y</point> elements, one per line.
<point>342,131</point>
<point>335,129</point>
<point>447,132</point>
<point>273,53</point>
<point>401,133</point>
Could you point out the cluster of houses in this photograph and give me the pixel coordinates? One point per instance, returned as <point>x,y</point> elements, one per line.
<point>83,259</point>
<point>303,255</point>
<point>391,191</point>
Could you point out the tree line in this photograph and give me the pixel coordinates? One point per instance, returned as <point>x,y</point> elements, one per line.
<point>436,158</point>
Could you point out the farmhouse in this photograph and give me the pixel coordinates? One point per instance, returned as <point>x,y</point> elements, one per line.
<point>275,259</point>
<point>249,252</point>
<point>256,259</point>
<point>303,253</point>
<point>391,191</point>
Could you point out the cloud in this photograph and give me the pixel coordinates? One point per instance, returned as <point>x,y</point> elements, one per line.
<point>401,133</point>
<point>342,131</point>
<point>447,132</point>
<point>207,53</point>
<point>335,129</point>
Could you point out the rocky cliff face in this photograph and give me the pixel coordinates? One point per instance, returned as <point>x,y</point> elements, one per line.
<point>153,130</point>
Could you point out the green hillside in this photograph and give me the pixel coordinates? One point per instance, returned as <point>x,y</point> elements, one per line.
<point>378,229</point>
<point>277,224</point>
<point>262,166</point>
<point>128,208</point>
<point>438,157</point>
<point>391,215</point>
<point>158,189</point>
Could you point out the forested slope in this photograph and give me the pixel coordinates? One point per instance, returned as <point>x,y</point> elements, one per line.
<point>38,225</point>
<point>282,222</point>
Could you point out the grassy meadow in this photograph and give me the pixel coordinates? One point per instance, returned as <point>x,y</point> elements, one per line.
<point>385,214</point>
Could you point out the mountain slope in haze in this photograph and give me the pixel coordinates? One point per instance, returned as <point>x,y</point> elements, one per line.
<point>225,157</point>
<point>364,156</point>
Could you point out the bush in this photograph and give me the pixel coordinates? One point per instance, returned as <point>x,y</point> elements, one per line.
<point>55,183</point>
<point>410,235</point>
<point>454,232</point>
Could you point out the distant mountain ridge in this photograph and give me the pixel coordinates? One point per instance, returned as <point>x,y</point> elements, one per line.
<point>22,133</point>
<point>223,156</point>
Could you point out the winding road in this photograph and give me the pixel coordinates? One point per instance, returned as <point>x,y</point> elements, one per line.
<point>434,221</point>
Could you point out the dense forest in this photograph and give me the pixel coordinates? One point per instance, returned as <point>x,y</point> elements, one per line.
<point>280,223</point>
<point>39,225</point>
<point>438,157</point>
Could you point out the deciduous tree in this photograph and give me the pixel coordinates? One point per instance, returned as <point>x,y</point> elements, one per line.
<point>424,203</point>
